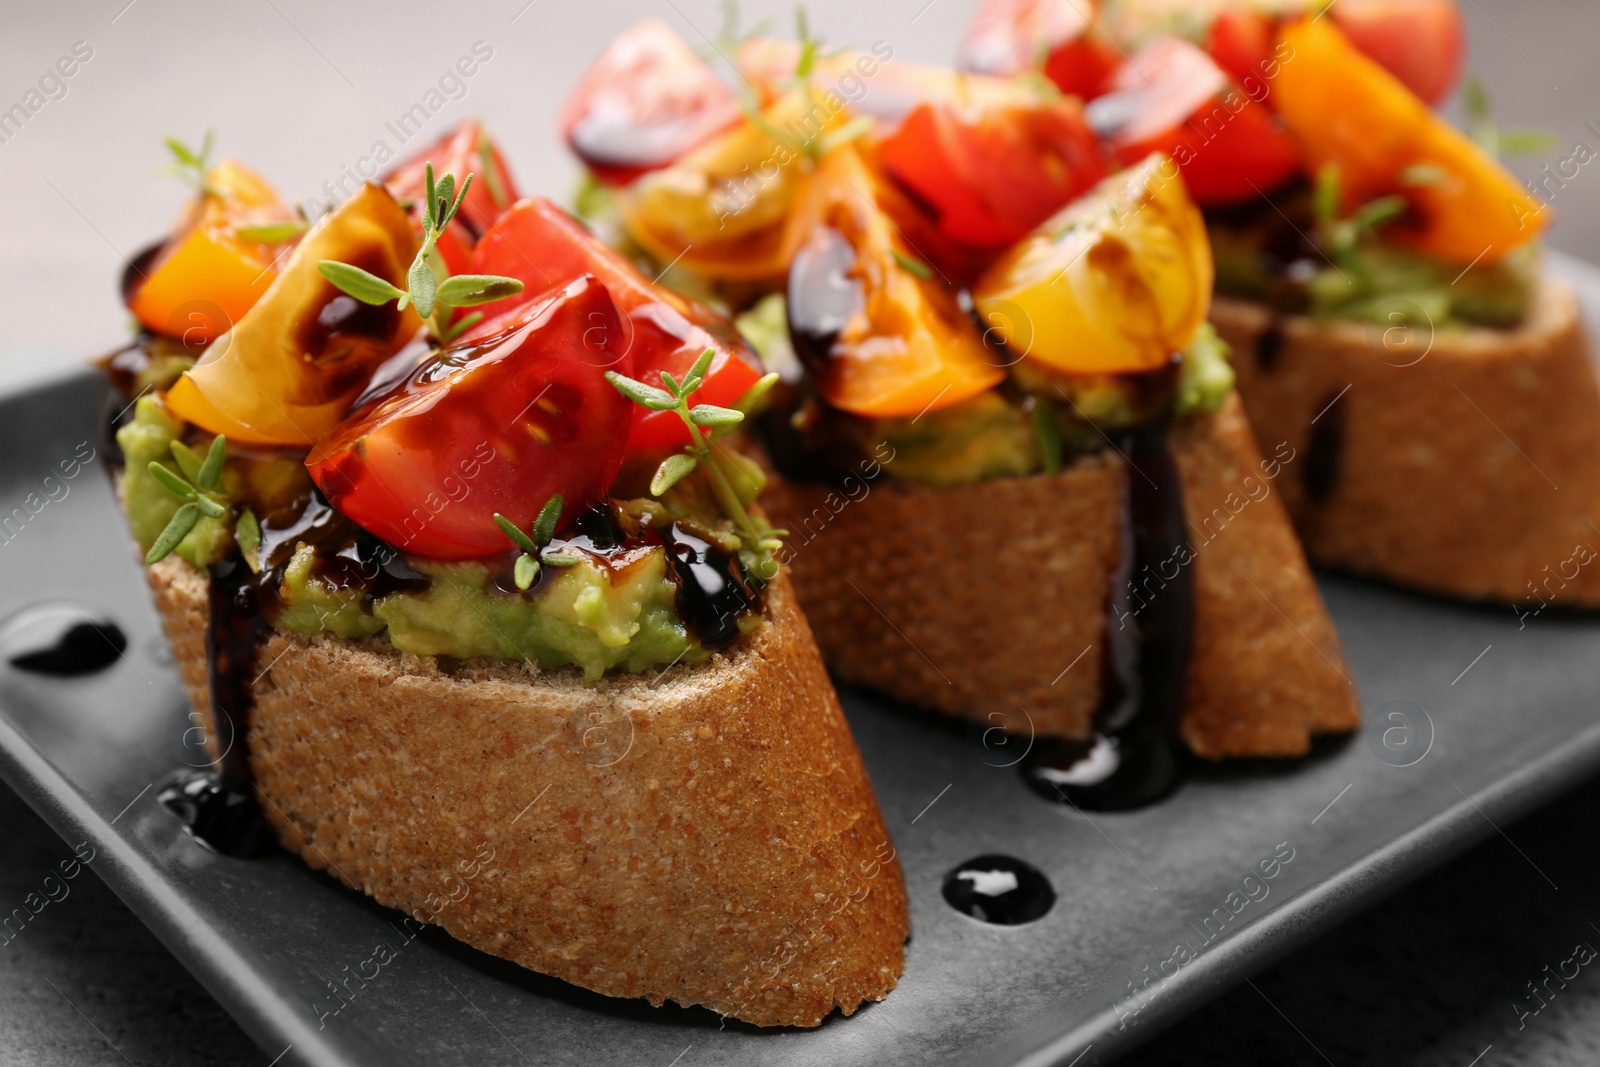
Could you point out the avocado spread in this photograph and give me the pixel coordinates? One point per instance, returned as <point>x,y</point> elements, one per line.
<point>598,615</point>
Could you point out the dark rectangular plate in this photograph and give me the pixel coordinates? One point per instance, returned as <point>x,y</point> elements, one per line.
<point>1472,715</point>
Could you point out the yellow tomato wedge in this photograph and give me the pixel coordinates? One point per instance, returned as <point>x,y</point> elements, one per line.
<point>287,373</point>
<point>721,211</point>
<point>207,276</point>
<point>1114,283</point>
<point>891,339</point>
<point>1346,110</point>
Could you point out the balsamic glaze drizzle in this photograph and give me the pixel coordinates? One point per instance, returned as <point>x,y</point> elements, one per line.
<point>1133,757</point>
<point>1000,890</point>
<point>1324,451</point>
<point>81,648</point>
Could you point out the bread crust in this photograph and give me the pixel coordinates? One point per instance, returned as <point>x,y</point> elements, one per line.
<point>1472,470</point>
<point>707,836</point>
<point>988,601</point>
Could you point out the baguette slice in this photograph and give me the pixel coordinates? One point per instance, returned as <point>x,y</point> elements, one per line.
<point>1467,461</point>
<point>989,601</point>
<point>706,836</point>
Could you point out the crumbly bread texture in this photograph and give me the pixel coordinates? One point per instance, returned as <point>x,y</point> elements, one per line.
<point>989,601</point>
<point>1469,459</point>
<point>706,836</point>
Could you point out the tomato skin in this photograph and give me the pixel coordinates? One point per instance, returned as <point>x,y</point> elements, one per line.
<point>1421,42</point>
<point>512,414</point>
<point>459,152</point>
<point>1174,99</point>
<point>993,174</point>
<point>1005,35</point>
<point>205,278</point>
<point>542,246</point>
<point>646,101</point>
<point>1240,42</point>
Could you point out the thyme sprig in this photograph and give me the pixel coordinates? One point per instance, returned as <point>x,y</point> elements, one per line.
<point>1482,128</point>
<point>705,424</point>
<point>429,285</point>
<point>196,487</point>
<point>192,166</point>
<point>534,544</point>
<point>1343,234</point>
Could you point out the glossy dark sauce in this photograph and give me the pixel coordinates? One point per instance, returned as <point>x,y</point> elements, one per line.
<point>1000,890</point>
<point>1133,757</point>
<point>822,296</point>
<point>1269,346</point>
<point>1324,451</point>
<point>81,648</point>
<point>223,819</point>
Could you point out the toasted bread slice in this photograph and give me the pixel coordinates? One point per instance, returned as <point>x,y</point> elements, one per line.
<point>706,836</point>
<point>989,601</point>
<point>1456,461</point>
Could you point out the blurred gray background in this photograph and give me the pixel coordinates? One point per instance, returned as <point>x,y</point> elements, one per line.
<point>300,90</point>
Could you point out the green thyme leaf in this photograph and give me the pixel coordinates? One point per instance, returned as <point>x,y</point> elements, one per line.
<point>424,286</point>
<point>856,127</point>
<point>753,396</point>
<point>702,364</point>
<point>455,205</point>
<point>544,526</point>
<point>465,290</point>
<point>561,559</point>
<point>210,508</point>
<point>518,538</point>
<point>1526,142</point>
<point>644,395</point>
<point>673,470</point>
<point>171,482</point>
<point>211,470</point>
<point>247,531</point>
<point>365,287</point>
<point>445,190</point>
<point>491,173</point>
<point>183,520</point>
<point>461,326</point>
<point>1424,174</point>
<point>672,385</point>
<point>271,233</point>
<point>525,571</point>
<point>711,415</point>
<point>1327,193</point>
<point>1047,431</point>
<point>913,266</point>
<point>1375,213</point>
<point>188,462</point>
<point>430,207</point>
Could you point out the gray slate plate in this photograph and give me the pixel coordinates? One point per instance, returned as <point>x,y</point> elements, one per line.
<point>1473,717</point>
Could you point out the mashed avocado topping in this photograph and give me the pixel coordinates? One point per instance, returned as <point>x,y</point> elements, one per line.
<point>620,613</point>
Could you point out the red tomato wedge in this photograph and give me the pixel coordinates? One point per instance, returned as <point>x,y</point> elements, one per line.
<point>646,101</point>
<point>512,414</point>
<point>1007,36</point>
<point>467,149</point>
<point>1171,97</point>
<point>1241,43</point>
<point>542,246</point>
<point>991,175</point>
<point>1421,42</point>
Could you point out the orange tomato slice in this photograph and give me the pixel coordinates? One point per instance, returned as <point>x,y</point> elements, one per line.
<point>882,333</point>
<point>1346,110</point>
<point>288,372</point>
<point>206,276</point>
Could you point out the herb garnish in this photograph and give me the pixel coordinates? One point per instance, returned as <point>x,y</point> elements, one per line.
<point>190,166</point>
<point>1483,129</point>
<point>429,285</point>
<point>706,423</point>
<point>533,548</point>
<point>196,487</point>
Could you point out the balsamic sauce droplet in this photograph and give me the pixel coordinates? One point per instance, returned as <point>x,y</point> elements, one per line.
<point>1324,451</point>
<point>822,296</point>
<point>1133,758</point>
<point>1269,346</point>
<point>712,591</point>
<point>80,648</point>
<point>999,890</point>
<point>222,819</point>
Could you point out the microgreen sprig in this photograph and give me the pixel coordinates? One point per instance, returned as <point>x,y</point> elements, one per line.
<point>534,544</point>
<point>1343,234</point>
<point>705,423</point>
<point>191,166</point>
<point>429,285</point>
<point>196,487</point>
<point>1483,129</point>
